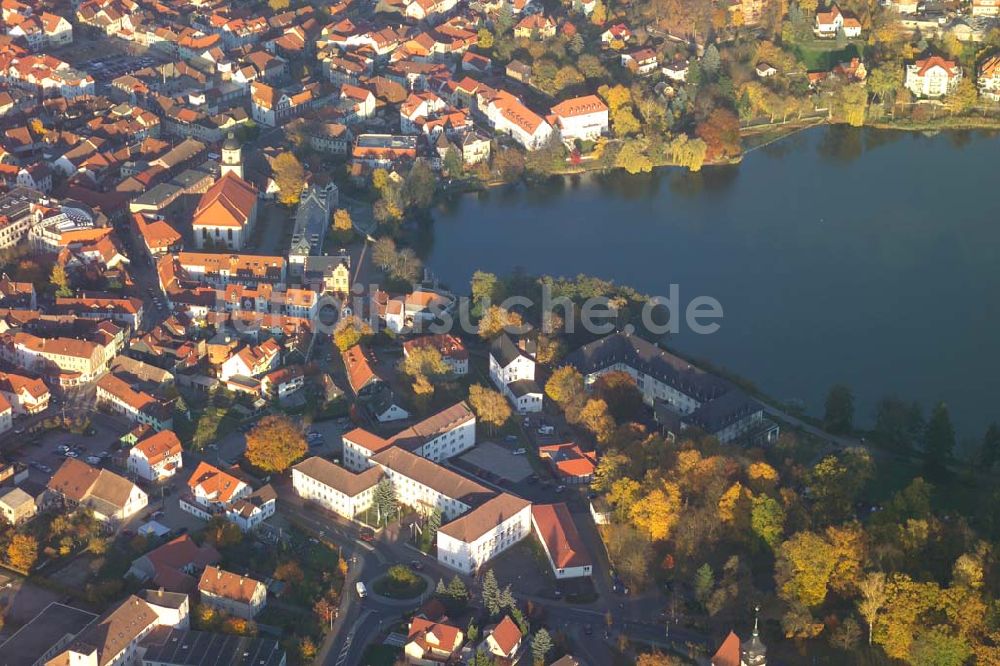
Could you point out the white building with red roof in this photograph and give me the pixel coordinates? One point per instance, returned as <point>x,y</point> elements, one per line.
<point>989,78</point>
<point>503,641</point>
<point>509,115</point>
<point>226,214</point>
<point>252,361</point>
<point>432,642</point>
<point>560,540</point>
<point>584,118</point>
<point>157,457</point>
<point>830,22</point>
<point>212,491</point>
<point>933,76</point>
<point>26,395</point>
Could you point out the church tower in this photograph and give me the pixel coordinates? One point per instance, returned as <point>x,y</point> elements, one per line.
<point>753,652</point>
<point>232,156</point>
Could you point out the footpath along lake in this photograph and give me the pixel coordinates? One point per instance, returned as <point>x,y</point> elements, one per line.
<point>865,257</point>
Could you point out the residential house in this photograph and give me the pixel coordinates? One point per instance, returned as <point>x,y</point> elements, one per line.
<point>232,593</point>
<point>986,8</point>
<point>16,506</point>
<point>933,76</point>
<point>109,496</point>
<point>432,643</point>
<point>114,638</point>
<point>535,26</point>
<point>174,566</point>
<point>118,396</point>
<point>212,491</point>
<point>157,457</point>
<point>640,62</point>
<point>503,641</point>
<point>26,395</point>
<point>360,373</point>
<point>989,78</point>
<point>832,21</point>
<point>249,512</point>
<point>512,369</point>
<point>252,361</point>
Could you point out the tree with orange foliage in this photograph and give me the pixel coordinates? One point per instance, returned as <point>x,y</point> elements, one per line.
<point>275,444</point>
<point>721,133</point>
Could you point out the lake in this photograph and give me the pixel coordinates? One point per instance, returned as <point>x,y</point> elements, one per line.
<point>862,257</point>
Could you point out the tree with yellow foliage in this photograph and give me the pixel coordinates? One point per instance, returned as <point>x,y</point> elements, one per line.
<point>657,511</point>
<point>595,417</point>
<point>491,407</point>
<point>496,320</point>
<point>275,443</point>
<point>22,552</point>
<point>289,176</point>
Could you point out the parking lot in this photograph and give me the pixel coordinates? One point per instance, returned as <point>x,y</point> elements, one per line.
<point>45,452</point>
<point>493,460</point>
<point>107,67</point>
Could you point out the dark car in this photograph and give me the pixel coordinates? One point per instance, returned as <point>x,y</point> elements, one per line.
<point>588,629</point>
<point>416,565</point>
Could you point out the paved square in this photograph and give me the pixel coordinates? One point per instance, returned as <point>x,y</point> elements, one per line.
<point>497,460</point>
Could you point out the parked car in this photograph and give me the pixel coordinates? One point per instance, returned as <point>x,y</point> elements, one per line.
<point>545,430</point>
<point>510,438</point>
<point>367,536</point>
<point>519,452</point>
<point>361,589</point>
<point>416,565</point>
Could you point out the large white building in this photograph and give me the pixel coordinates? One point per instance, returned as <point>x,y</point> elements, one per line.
<point>933,76</point>
<point>989,78</point>
<point>468,542</point>
<point>676,389</point>
<point>512,370</point>
<point>509,115</point>
<point>584,118</point>
<point>439,437</point>
<point>335,488</point>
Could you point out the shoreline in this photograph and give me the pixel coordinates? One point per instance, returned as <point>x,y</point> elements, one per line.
<point>773,134</point>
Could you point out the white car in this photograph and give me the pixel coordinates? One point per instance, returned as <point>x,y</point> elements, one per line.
<point>518,452</point>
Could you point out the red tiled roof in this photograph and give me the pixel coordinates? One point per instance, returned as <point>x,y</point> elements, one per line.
<point>556,528</point>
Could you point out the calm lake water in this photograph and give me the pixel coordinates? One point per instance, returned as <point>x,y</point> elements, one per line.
<point>868,258</point>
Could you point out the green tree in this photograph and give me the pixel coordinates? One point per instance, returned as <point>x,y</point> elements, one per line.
<point>767,519</point>
<point>491,593</point>
<point>384,500</point>
<point>453,164</point>
<point>541,645</point>
<point>939,442</point>
<point>937,647</point>
<point>839,416</point>
<point>989,452</point>
<point>704,582</point>
<point>419,186</point>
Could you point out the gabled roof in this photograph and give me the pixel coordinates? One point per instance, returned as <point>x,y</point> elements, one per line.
<point>338,478</point>
<point>728,653</point>
<point>159,446</point>
<point>228,203</point>
<point>557,530</point>
<point>507,635</point>
<point>477,522</point>
<point>215,483</point>
<point>228,585</point>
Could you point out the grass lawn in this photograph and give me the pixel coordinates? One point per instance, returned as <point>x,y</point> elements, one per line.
<point>823,54</point>
<point>400,589</point>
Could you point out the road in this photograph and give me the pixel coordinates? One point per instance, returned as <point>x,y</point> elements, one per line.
<point>361,622</point>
